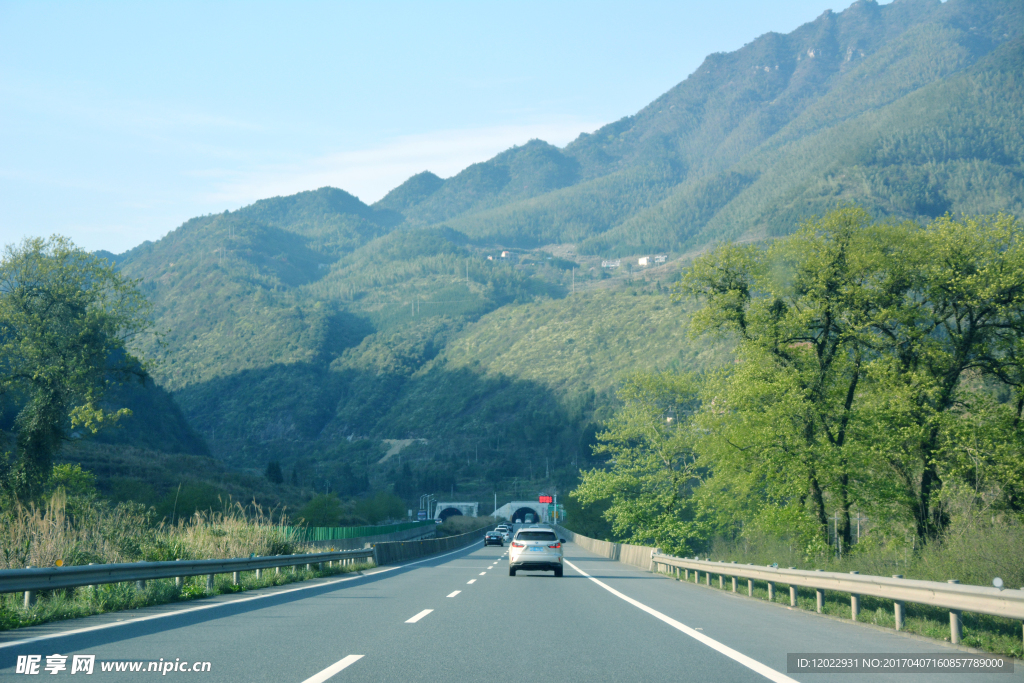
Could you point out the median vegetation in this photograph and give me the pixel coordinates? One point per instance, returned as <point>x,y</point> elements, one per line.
<point>81,529</point>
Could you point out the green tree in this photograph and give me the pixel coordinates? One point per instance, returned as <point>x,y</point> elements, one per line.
<point>856,341</point>
<point>652,468</point>
<point>67,320</point>
<point>382,507</point>
<point>957,313</point>
<point>273,473</point>
<point>800,310</point>
<point>323,510</point>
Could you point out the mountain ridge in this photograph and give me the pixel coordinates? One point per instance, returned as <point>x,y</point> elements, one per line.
<point>307,328</point>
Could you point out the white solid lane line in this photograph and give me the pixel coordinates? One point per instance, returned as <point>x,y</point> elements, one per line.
<point>752,664</point>
<point>471,581</point>
<point>419,616</point>
<point>453,594</point>
<point>333,669</point>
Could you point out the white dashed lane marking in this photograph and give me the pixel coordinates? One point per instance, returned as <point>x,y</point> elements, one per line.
<point>453,594</point>
<point>482,573</point>
<point>419,616</point>
<point>471,581</point>
<point>333,669</point>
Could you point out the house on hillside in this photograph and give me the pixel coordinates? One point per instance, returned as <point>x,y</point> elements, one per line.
<point>644,261</point>
<point>506,254</point>
<point>660,258</point>
<point>611,264</point>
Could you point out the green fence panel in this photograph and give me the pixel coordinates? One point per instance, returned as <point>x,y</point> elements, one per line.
<point>328,533</point>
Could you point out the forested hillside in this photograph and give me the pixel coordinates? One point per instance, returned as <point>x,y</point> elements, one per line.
<point>309,329</point>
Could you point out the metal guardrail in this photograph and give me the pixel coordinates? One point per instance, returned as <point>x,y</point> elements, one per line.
<point>30,580</point>
<point>951,595</point>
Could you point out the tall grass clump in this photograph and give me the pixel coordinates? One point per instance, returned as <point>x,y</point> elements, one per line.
<point>93,531</point>
<point>83,530</point>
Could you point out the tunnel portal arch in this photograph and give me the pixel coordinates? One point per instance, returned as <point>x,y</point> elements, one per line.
<point>519,516</point>
<point>449,512</point>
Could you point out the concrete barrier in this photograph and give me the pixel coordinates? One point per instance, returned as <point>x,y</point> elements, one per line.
<point>634,555</point>
<point>401,551</point>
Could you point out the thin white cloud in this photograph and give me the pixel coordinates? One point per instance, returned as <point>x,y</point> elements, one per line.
<point>370,173</point>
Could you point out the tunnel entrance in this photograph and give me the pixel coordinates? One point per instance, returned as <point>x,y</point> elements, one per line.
<point>520,516</point>
<point>449,512</point>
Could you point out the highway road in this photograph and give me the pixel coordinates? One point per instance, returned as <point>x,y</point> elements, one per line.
<point>461,617</point>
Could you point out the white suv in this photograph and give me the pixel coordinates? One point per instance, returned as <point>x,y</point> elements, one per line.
<point>535,549</point>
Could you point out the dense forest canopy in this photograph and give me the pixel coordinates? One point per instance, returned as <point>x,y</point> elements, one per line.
<point>878,369</point>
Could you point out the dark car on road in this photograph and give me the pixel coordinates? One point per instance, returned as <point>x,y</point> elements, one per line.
<point>494,538</point>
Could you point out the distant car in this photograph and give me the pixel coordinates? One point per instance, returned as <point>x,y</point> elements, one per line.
<point>506,532</point>
<point>535,549</point>
<point>494,538</point>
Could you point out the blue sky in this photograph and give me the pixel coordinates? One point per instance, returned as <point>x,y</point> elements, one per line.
<point>119,121</point>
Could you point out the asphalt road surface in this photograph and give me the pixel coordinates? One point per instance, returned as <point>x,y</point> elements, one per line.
<point>461,617</point>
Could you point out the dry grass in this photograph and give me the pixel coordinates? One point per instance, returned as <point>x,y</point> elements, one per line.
<point>87,531</point>
<point>84,530</point>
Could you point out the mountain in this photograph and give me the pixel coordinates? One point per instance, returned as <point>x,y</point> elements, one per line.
<point>879,87</point>
<point>470,319</point>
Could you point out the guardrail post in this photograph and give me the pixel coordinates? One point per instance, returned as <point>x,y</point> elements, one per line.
<point>771,591</point>
<point>259,574</point>
<point>707,578</point>
<point>854,603</point>
<point>750,588</point>
<point>734,584</point>
<point>234,578</point>
<point>792,592</point>
<point>686,574</point>
<point>956,626</point>
<point>30,596</point>
<point>721,581</point>
<point>209,583</point>
<point>898,607</point>
<point>177,579</point>
<point>92,588</point>
<point>819,596</point>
